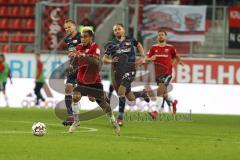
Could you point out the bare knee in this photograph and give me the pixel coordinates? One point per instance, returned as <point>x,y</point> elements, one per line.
<point>130,96</point>
<point>76,97</point>
<point>161,89</point>
<point>68,88</point>
<point>121,91</point>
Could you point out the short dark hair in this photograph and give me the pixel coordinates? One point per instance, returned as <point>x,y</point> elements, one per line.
<point>162,30</point>
<point>69,21</point>
<point>119,24</point>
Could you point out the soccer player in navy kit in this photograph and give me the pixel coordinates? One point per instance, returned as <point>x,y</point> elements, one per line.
<point>72,39</point>
<point>121,54</point>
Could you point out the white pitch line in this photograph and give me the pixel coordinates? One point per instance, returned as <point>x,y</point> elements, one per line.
<point>88,129</point>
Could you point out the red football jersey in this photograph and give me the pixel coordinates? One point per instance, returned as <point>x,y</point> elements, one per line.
<point>1,67</point>
<point>164,56</point>
<point>88,73</point>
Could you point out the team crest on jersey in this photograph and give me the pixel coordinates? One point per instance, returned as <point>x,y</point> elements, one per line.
<point>166,50</point>
<point>128,43</point>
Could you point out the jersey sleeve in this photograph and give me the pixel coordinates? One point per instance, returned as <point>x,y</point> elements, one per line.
<point>174,52</point>
<point>135,42</point>
<point>96,52</point>
<point>108,48</point>
<point>150,53</point>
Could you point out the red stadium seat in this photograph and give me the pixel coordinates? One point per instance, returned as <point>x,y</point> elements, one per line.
<point>29,12</point>
<point>30,38</point>
<point>20,48</point>
<point>15,11</point>
<point>3,2</point>
<point>3,11</point>
<point>4,36</point>
<point>13,1</point>
<point>16,24</point>
<point>17,37</point>
<point>3,23</point>
<point>30,24</point>
<point>5,48</point>
<point>28,2</point>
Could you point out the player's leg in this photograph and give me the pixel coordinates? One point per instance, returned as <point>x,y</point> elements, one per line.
<point>68,98</point>
<point>142,94</point>
<point>75,108</point>
<point>122,104</point>
<point>37,89</point>
<point>40,94</point>
<point>111,89</point>
<point>101,99</point>
<point>4,93</point>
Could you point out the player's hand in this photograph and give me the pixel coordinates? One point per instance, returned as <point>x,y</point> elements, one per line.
<point>115,59</point>
<point>153,58</point>
<point>71,54</point>
<point>181,63</point>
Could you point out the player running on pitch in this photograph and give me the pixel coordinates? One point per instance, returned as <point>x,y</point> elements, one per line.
<point>72,39</point>
<point>87,56</point>
<point>164,57</point>
<point>4,74</point>
<point>121,54</point>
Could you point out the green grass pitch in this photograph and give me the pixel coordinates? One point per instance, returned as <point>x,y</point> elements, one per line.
<point>206,137</point>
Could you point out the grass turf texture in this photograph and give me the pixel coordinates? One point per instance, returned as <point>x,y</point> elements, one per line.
<point>205,137</point>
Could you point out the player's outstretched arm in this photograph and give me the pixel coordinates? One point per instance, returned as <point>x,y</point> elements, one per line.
<point>108,60</point>
<point>91,59</point>
<point>141,49</point>
<point>152,58</point>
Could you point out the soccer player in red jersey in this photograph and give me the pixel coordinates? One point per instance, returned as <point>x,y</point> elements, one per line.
<point>164,57</point>
<point>87,56</point>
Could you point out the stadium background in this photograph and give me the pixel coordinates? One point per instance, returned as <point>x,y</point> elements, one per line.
<point>208,83</point>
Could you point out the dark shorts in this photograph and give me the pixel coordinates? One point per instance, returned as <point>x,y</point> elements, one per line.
<point>93,90</point>
<point>165,79</point>
<point>124,80</point>
<point>71,77</point>
<point>3,86</point>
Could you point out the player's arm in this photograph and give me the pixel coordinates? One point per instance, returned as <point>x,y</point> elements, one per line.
<point>177,60</point>
<point>91,59</point>
<point>150,56</point>
<point>140,49</point>
<point>107,59</point>
<point>40,69</point>
<point>10,75</point>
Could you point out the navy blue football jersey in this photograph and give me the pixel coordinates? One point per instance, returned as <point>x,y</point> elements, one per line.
<point>72,42</point>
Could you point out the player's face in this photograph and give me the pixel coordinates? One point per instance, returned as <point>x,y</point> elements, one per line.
<point>86,39</point>
<point>118,31</point>
<point>69,28</point>
<point>161,37</point>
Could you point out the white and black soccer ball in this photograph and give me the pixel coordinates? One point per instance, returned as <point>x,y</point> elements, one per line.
<point>39,129</point>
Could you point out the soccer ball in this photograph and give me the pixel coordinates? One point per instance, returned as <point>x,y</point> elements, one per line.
<point>39,129</point>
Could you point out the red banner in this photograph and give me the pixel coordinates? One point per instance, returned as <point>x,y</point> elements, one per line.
<point>234,16</point>
<point>208,71</point>
<point>52,27</point>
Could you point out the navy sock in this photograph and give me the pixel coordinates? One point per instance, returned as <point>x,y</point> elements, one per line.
<point>68,103</point>
<point>122,102</point>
